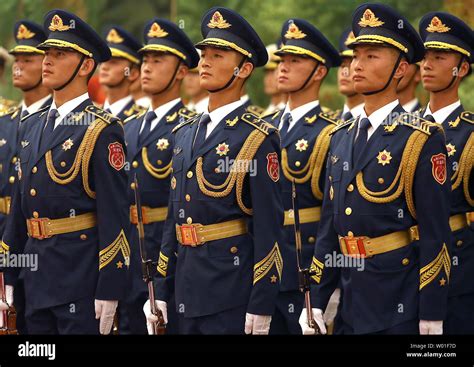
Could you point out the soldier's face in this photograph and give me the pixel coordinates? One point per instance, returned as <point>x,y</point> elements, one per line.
<point>344,77</point>
<point>412,76</point>
<point>191,85</point>
<point>26,70</point>
<point>438,68</point>
<point>216,67</point>
<point>372,67</point>
<point>58,66</point>
<point>157,70</point>
<point>114,72</point>
<point>293,72</point>
<point>270,82</point>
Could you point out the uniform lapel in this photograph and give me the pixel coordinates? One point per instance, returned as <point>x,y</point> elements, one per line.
<point>307,120</point>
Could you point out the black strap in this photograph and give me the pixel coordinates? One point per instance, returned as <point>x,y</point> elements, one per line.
<point>73,75</point>
<point>234,74</point>
<point>400,55</point>
<point>35,86</point>
<point>308,79</point>
<point>171,80</point>
<point>454,77</point>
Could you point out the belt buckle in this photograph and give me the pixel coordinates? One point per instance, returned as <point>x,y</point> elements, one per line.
<point>355,246</point>
<point>133,214</point>
<point>189,236</point>
<point>37,228</point>
<point>470,218</point>
<point>144,215</point>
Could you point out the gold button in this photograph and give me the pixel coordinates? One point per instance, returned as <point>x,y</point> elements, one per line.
<point>35,214</point>
<point>83,237</point>
<point>188,197</point>
<point>459,243</point>
<point>381,180</point>
<point>132,185</point>
<point>330,178</point>
<point>14,160</point>
<point>11,179</point>
<point>135,164</point>
<point>217,170</point>
<point>159,161</point>
<point>350,188</point>
<point>311,239</point>
<point>350,234</point>
<point>234,250</point>
<point>297,163</point>
<point>189,174</point>
<point>189,220</point>
<point>33,192</point>
<point>63,164</point>
<point>348,211</point>
<point>405,261</point>
<point>34,169</point>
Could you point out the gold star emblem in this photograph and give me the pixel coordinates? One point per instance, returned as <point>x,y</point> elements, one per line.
<point>67,144</point>
<point>301,145</point>
<point>370,20</point>
<point>162,144</point>
<point>24,33</point>
<point>273,279</point>
<point>57,24</point>
<point>436,25</point>
<point>384,158</point>
<point>451,149</point>
<point>156,31</point>
<point>294,32</point>
<point>442,282</point>
<point>119,265</point>
<point>222,149</point>
<point>218,21</point>
<point>114,37</point>
<point>454,123</point>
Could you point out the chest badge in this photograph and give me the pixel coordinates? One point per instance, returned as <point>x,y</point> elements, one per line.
<point>24,143</point>
<point>67,144</point>
<point>311,119</point>
<point>384,158</point>
<point>301,145</point>
<point>230,122</point>
<point>2,142</point>
<point>173,183</point>
<point>162,144</point>
<point>334,159</point>
<point>222,149</point>
<point>171,117</point>
<point>451,149</point>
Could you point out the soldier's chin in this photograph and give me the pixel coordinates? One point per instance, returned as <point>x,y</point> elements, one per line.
<point>361,87</point>
<point>51,83</point>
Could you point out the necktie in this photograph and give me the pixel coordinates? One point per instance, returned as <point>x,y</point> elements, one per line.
<point>361,140</point>
<point>24,113</point>
<point>286,124</point>
<point>108,110</point>
<point>48,128</point>
<point>201,133</point>
<point>149,117</point>
<point>429,118</point>
<point>347,116</point>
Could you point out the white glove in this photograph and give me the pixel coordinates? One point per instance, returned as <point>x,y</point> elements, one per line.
<point>431,327</point>
<point>257,324</point>
<point>318,317</point>
<point>105,311</point>
<point>4,306</point>
<point>153,319</point>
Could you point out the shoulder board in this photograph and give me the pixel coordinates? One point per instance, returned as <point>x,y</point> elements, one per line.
<point>258,123</point>
<point>329,118</point>
<point>135,115</point>
<point>256,110</point>
<point>134,110</point>
<point>418,123</point>
<point>468,116</point>
<point>341,125</point>
<point>187,122</point>
<point>10,111</point>
<point>103,115</point>
<point>186,113</point>
<point>273,114</point>
<point>325,109</point>
<point>43,109</point>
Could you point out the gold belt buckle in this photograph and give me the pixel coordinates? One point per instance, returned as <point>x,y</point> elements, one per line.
<point>134,215</point>
<point>470,218</point>
<point>354,246</point>
<point>189,235</point>
<point>37,228</point>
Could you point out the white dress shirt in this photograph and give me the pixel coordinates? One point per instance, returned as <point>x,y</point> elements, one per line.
<point>116,107</point>
<point>355,111</point>
<point>441,115</point>
<point>200,106</point>
<point>218,114</point>
<point>378,116</point>
<point>410,106</point>
<point>297,113</point>
<point>160,113</point>
<point>32,108</point>
<point>67,108</point>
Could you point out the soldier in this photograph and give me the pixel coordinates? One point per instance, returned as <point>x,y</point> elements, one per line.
<point>118,73</point>
<point>168,54</point>
<point>386,176</point>
<point>69,211</point>
<point>354,102</point>
<point>198,97</point>
<point>248,104</point>
<point>270,80</point>
<point>221,244</point>
<point>306,57</point>
<point>449,44</point>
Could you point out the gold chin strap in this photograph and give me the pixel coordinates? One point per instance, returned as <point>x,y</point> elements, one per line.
<point>313,167</point>
<point>237,174</point>
<point>466,164</point>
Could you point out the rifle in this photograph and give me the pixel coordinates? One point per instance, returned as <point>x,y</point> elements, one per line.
<point>304,275</point>
<point>8,316</point>
<point>159,327</point>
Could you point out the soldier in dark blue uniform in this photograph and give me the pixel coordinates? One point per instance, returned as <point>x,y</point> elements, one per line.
<point>306,57</point>
<point>168,54</point>
<point>221,248</point>
<point>119,73</point>
<point>449,44</point>
<point>270,82</point>
<point>69,211</point>
<point>384,227</point>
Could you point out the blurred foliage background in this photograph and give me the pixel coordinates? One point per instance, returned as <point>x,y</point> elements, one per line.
<point>267,16</point>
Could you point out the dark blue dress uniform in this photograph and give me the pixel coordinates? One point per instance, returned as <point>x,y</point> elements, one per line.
<point>304,150</point>
<point>378,207</point>
<point>445,32</point>
<point>69,209</point>
<point>149,157</point>
<point>221,244</point>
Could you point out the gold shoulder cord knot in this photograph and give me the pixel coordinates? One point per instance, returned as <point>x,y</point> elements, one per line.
<point>159,173</point>
<point>313,167</point>
<point>465,167</point>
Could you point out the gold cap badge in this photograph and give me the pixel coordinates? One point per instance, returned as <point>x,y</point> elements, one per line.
<point>113,37</point>
<point>57,24</point>
<point>370,20</point>
<point>436,25</point>
<point>350,38</point>
<point>294,32</point>
<point>24,33</point>
<point>218,21</point>
<point>156,31</point>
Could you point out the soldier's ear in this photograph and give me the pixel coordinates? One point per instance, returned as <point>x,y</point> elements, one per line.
<point>182,72</point>
<point>320,73</point>
<point>401,69</point>
<point>88,67</point>
<point>245,70</point>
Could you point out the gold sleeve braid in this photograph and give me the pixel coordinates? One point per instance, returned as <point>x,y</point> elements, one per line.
<point>429,272</point>
<point>81,161</point>
<point>4,248</point>
<point>162,266</point>
<point>159,173</point>
<point>236,175</point>
<point>316,268</point>
<point>120,244</point>
<point>262,268</point>
<point>463,173</point>
<point>404,178</point>
<point>314,166</point>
